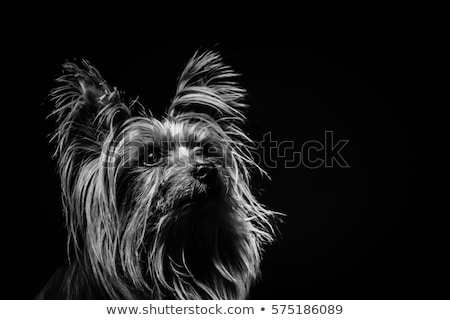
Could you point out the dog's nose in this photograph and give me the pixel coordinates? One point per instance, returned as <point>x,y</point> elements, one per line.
<point>204,172</point>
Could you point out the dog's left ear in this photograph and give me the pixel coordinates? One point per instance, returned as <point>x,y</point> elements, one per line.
<point>207,90</point>
<point>87,109</point>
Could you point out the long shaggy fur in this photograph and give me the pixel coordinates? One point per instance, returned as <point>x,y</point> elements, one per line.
<point>140,224</point>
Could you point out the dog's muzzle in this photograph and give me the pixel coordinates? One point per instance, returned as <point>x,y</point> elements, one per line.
<point>208,175</point>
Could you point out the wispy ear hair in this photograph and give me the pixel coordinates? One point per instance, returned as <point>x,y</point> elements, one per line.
<point>207,87</point>
<point>86,108</point>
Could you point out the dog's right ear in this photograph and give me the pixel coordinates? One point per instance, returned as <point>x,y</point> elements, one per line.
<point>87,109</point>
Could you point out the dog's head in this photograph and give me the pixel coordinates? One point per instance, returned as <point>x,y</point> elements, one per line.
<point>160,208</point>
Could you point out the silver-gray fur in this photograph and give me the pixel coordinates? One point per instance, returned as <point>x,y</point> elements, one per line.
<point>157,209</point>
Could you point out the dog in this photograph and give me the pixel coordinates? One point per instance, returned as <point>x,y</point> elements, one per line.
<point>157,208</point>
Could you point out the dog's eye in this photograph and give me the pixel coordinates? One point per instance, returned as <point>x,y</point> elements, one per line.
<point>209,150</point>
<point>198,151</point>
<point>152,157</point>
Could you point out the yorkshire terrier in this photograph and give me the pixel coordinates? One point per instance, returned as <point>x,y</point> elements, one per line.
<point>157,208</point>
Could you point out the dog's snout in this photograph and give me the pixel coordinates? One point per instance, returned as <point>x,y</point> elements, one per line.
<point>204,172</point>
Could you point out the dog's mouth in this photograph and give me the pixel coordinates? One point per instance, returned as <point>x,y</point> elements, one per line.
<point>201,195</point>
<point>205,197</point>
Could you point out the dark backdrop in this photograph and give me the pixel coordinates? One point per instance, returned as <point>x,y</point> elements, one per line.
<point>376,230</point>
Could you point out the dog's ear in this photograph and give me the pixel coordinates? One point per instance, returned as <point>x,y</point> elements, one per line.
<point>87,109</point>
<point>207,90</point>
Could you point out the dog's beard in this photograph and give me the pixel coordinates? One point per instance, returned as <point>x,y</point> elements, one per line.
<point>183,238</point>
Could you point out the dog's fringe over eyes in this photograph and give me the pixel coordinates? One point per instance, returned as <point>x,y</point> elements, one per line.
<point>150,212</point>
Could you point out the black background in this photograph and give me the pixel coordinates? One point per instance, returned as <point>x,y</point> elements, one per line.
<point>376,230</point>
